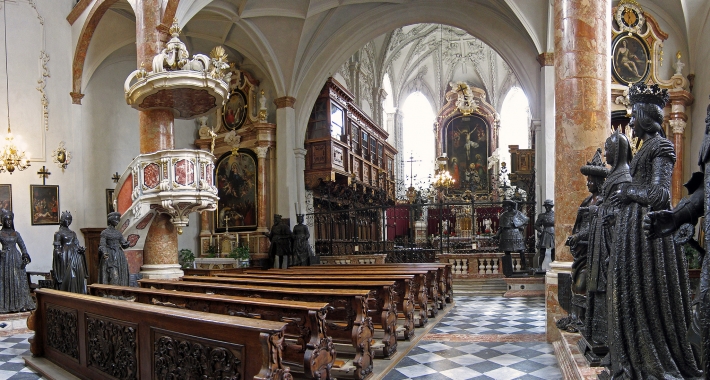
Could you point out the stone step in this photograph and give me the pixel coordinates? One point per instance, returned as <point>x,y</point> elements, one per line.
<point>480,287</point>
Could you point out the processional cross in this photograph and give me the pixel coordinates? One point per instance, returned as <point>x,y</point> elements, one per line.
<point>411,167</point>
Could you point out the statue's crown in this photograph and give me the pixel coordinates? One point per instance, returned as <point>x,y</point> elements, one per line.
<point>597,167</point>
<point>640,93</point>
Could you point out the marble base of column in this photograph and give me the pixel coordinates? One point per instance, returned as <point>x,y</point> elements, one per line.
<point>162,271</point>
<point>161,248</point>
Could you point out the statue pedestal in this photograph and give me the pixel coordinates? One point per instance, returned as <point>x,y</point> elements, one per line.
<point>525,287</point>
<point>16,323</point>
<point>572,362</point>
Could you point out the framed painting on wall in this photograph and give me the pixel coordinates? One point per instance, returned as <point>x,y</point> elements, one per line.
<point>44,204</point>
<point>109,201</point>
<point>631,62</point>
<point>467,152</point>
<point>235,175</point>
<point>6,197</point>
<point>234,111</point>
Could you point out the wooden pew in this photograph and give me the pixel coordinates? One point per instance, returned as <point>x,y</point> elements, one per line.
<point>406,291</point>
<point>306,320</point>
<point>102,339</point>
<point>346,323</point>
<point>444,269</point>
<point>431,278</point>
<point>382,294</point>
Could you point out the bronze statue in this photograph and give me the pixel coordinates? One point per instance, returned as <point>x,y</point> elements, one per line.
<point>302,251</point>
<point>69,262</point>
<point>689,209</point>
<point>15,291</point>
<point>648,296</point>
<point>113,266</point>
<point>509,235</point>
<point>280,249</point>
<point>601,245</point>
<point>596,172</point>
<point>545,226</point>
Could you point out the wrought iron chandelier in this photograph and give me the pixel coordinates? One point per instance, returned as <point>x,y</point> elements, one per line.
<point>11,157</point>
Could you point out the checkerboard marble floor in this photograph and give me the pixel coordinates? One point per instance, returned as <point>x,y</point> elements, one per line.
<point>12,366</point>
<point>484,338</point>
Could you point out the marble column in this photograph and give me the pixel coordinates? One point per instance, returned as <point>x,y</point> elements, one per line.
<point>582,41</point>
<point>286,192</point>
<point>261,152</point>
<point>677,119</point>
<point>160,255</point>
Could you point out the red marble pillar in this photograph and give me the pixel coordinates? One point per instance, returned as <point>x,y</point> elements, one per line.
<point>160,258</point>
<point>677,119</point>
<point>582,88</point>
<point>582,120</point>
<point>261,152</point>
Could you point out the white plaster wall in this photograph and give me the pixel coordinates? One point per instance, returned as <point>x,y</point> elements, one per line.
<point>24,46</point>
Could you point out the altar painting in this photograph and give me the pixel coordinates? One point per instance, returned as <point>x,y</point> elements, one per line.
<point>236,188</point>
<point>467,152</point>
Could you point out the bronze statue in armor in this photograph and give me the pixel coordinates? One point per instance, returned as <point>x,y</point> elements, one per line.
<point>280,249</point>
<point>545,226</point>
<point>510,226</point>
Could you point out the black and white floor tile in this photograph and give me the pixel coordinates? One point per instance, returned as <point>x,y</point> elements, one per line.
<point>484,338</point>
<point>12,366</point>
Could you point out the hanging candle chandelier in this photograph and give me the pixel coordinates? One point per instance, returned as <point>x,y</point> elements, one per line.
<point>11,157</point>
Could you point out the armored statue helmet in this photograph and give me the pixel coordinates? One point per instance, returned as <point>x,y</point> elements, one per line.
<point>548,202</point>
<point>647,103</point>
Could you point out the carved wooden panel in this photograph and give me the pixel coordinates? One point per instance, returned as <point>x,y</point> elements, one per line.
<point>179,356</point>
<point>111,346</point>
<point>319,155</point>
<point>338,156</point>
<point>62,332</point>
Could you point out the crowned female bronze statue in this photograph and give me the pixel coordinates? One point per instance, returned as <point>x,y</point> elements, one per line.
<point>113,266</point>
<point>15,291</point>
<point>689,209</point>
<point>69,262</point>
<point>648,297</point>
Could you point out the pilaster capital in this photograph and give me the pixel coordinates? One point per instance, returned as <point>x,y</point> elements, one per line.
<point>261,151</point>
<point>76,97</point>
<point>285,101</point>
<point>677,126</point>
<point>300,153</point>
<point>546,59</point>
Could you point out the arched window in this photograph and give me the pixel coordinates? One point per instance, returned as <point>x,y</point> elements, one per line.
<point>419,139</point>
<point>514,123</point>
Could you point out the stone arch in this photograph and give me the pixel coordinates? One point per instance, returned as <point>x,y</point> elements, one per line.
<point>87,32</point>
<point>82,46</point>
<point>517,48</point>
